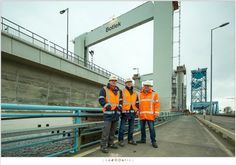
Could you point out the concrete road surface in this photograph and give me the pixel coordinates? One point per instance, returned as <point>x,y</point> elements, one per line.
<point>183,137</point>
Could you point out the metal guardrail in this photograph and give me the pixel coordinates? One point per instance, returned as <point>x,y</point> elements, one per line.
<point>13,133</point>
<point>76,130</point>
<point>10,111</point>
<point>35,39</point>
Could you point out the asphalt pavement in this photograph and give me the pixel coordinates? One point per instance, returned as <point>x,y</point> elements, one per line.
<point>183,137</point>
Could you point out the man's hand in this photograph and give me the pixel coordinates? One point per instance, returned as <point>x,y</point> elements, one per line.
<point>137,113</point>
<point>108,108</point>
<point>119,108</point>
<point>157,115</point>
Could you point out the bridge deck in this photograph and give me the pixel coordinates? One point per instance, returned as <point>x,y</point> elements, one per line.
<point>184,137</point>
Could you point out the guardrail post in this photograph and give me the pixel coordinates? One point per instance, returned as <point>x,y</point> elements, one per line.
<point>77,137</point>
<point>139,127</point>
<point>156,121</point>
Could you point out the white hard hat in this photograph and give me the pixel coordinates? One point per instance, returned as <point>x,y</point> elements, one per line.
<point>148,83</point>
<point>128,80</point>
<point>113,77</point>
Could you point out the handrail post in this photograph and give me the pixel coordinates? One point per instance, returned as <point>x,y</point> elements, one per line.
<point>139,126</point>
<point>18,31</point>
<point>44,43</point>
<point>53,47</point>
<point>33,38</point>
<point>77,137</point>
<point>2,23</point>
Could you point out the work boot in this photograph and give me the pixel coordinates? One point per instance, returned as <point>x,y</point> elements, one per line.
<point>104,150</point>
<point>132,142</point>
<point>154,145</point>
<point>113,146</point>
<point>121,143</point>
<point>141,141</point>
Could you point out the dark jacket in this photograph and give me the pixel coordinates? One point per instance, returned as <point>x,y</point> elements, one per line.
<point>102,102</point>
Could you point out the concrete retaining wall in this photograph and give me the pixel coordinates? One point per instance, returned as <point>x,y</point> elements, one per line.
<point>25,82</point>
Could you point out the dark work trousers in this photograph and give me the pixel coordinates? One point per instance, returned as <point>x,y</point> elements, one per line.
<point>108,133</point>
<point>151,130</point>
<point>130,117</point>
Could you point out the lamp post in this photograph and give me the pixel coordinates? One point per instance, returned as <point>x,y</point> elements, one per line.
<point>137,70</point>
<point>91,53</point>
<point>211,67</point>
<point>67,36</point>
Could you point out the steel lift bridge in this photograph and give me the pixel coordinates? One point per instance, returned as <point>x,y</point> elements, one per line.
<point>199,92</point>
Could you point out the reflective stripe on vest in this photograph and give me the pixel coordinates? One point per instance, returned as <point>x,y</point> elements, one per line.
<point>149,112</point>
<point>125,102</point>
<point>111,112</point>
<point>106,105</point>
<point>108,99</point>
<point>148,106</point>
<point>129,111</point>
<point>151,101</point>
<point>101,97</point>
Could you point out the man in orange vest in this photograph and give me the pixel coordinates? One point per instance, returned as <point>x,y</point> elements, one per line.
<point>110,98</point>
<point>129,109</point>
<point>149,108</point>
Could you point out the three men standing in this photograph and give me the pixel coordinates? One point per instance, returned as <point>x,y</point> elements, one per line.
<point>127,103</point>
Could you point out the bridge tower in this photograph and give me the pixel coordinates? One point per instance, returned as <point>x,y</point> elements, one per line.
<point>198,87</point>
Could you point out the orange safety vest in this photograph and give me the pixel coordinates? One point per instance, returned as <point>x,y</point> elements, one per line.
<point>149,105</point>
<point>128,101</point>
<point>111,99</point>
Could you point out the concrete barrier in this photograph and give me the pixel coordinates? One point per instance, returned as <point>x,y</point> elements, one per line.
<point>225,133</point>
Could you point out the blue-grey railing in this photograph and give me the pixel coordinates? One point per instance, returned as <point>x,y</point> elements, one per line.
<point>9,112</point>
<point>78,129</point>
<point>35,39</point>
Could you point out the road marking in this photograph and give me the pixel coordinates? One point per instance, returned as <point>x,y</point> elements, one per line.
<point>221,145</point>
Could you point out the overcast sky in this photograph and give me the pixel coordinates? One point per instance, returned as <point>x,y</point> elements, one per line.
<point>134,48</point>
